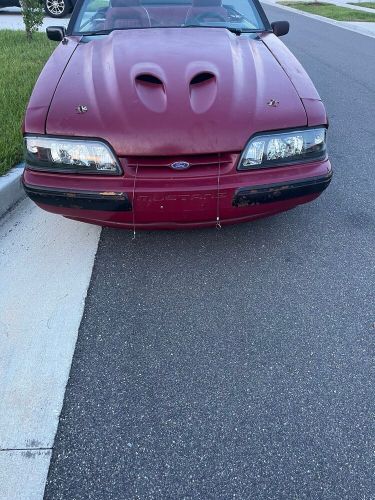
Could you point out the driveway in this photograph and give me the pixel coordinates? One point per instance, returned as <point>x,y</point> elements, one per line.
<point>11,19</point>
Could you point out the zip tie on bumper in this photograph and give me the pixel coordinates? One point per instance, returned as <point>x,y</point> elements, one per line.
<point>135,178</point>
<point>218,225</point>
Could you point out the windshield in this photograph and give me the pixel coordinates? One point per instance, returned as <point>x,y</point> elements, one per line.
<point>103,16</point>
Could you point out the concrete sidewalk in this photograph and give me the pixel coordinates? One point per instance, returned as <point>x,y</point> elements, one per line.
<point>45,270</point>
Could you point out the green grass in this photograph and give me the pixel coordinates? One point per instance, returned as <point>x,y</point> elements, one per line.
<point>20,62</point>
<point>370,5</point>
<point>332,11</point>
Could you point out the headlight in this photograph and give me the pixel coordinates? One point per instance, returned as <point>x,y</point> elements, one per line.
<point>280,148</point>
<point>70,155</point>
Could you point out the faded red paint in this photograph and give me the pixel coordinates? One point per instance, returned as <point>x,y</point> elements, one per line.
<point>151,126</point>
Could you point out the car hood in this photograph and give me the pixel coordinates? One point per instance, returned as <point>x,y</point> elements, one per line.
<point>173,91</point>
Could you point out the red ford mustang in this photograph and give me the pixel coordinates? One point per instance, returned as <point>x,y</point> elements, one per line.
<point>173,113</point>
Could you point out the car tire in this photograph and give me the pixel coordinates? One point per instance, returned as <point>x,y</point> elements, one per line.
<point>57,8</point>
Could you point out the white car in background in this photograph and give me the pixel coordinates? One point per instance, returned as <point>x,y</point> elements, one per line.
<point>53,8</point>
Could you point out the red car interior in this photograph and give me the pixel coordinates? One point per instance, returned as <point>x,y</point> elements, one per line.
<point>132,14</point>
<point>206,11</point>
<point>126,14</point>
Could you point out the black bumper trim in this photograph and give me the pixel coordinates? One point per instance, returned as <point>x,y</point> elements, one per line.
<point>271,193</point>
<point>86,200</point>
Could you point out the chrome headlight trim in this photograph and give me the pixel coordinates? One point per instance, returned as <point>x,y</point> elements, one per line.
<point>70,155</point>
<point>284,147</point>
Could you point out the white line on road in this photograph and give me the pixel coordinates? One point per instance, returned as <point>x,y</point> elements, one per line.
<point>45,269</point>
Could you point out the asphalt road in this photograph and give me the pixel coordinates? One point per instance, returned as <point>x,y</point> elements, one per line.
<point>239,363</point>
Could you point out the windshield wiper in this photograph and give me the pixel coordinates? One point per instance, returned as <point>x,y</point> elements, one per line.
<point>98,32</point>
<point>236,31</point>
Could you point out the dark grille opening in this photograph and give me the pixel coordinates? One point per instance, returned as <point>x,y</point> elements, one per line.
<point>210,159</point>
<point>160,166</point>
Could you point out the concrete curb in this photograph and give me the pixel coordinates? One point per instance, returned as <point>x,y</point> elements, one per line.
<point>340,24</point>
<point>11,189</point>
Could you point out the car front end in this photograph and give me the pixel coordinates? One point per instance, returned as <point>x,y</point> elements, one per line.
<point>174,127</point>
<point>178,191</point>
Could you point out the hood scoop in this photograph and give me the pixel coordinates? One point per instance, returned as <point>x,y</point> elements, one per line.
<point>151,92</point>
<point>147,78</point>
<point>203,91</point>
<point>201,77</point>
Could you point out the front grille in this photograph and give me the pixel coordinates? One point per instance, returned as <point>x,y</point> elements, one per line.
<point>160,166</point>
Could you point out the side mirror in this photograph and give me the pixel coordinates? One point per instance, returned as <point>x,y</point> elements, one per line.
<point>56,33</point>
<point>280,28</point>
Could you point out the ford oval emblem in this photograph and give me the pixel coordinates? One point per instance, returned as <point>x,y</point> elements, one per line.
<point>180,165</point>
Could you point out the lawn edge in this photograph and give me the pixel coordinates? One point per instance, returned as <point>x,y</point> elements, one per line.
<point>11,190</point>
<point>340,24</point>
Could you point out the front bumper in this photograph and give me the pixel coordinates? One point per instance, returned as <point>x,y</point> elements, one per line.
<point>79,200</point>
<point>281,191</point>
<point>177,201</point>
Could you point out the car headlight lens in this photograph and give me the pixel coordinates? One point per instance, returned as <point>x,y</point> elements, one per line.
<point>70,155</point>
<point>280,148</point>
